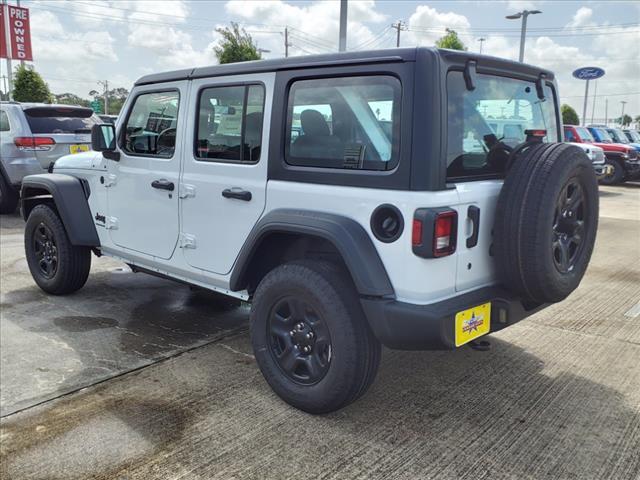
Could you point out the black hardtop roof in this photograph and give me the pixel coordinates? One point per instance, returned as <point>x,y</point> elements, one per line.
<point>337,59</point>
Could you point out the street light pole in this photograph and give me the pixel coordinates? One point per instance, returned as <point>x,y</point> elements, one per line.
<point>481,40</point>
<point>622,114</point>
<point>342,46</point>
<point>523,31</point>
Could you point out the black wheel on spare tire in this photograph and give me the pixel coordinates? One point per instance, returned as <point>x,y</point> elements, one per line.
<point>57,266</point>
<point>8,196</point>
<point>310,337</point>
<point>546,222</point>
<point>616,176</point>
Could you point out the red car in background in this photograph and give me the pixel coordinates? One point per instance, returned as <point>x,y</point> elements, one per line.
<point>622,158</point>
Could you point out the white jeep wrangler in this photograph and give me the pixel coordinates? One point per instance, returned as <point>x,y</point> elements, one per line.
<point>354,199</point>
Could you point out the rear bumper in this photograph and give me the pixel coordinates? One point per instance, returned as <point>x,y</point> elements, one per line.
<point>406,326</point>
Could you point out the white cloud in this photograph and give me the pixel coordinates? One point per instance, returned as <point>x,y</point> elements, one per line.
<point>426,25</point>
<point>313,27</point>
<point>581,18</point>
<point>519,5</point>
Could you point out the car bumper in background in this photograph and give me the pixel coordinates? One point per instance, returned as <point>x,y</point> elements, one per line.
<point>602,170</point>
<point>18,168</point>
<point>406,326</point>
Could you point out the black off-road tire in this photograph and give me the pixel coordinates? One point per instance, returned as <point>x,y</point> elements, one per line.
<point>8,196</point>
<point>334,306</point>
<point>71,269</point>
<point>617,176</point>
<point>538,219</point>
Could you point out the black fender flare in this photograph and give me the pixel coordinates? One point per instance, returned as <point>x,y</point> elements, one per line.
<point>348,237</point>
<point>69,194</point>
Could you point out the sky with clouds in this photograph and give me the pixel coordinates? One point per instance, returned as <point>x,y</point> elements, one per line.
<point>78,42</point>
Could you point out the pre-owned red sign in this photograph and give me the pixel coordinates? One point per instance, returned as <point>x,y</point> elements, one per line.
<point>19,32</point>
<point>3,34</point>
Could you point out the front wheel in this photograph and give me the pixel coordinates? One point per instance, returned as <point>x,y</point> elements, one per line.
<point>310,337</point>
<point>617,174</point>
<point>57,266</point>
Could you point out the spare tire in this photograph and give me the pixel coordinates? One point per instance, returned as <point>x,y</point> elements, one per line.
<point>546,222</point>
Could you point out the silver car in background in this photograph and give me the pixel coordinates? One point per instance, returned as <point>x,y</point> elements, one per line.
<point>33,136</point>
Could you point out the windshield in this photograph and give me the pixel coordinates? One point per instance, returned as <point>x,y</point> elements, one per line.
<point>617,135</point>
<point>484,123</point>
<point>633,136</point>
<point>604,135</point>
<point>585,134</point>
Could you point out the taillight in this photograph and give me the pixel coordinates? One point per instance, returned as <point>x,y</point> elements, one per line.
<point>434,232</point>
<point>32,144</point>
<point>444,240</point>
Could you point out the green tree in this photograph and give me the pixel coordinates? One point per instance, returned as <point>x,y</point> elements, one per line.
<point>451,41</point>
<point>29,86</point>
<point>569,115</point>
<point>70,99</point>
<point>637,119</point>
<point>236,45</point>
<point>626,120</point>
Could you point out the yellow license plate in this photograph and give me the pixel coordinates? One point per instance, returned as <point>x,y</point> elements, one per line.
<point>78,148</point>
<point>472,323</point>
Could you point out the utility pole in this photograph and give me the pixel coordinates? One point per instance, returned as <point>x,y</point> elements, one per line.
<point>399,25</point>
<point>286,42</point>
<point>523,31</point>
<point>342,46</point>
<point>481,40</point>
<point>622,114</point>
<point>105,84</point>
<point>8,44</point>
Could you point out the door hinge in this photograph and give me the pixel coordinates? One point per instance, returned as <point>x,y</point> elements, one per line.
<point>110,180</point>
<point>111,223</point>
<point>187,190</point>
<point>187,241</point>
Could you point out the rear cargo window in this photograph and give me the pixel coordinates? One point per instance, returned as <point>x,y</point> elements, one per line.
<point>349,122</point>
<point>485,123</point>
<point>60,120</point>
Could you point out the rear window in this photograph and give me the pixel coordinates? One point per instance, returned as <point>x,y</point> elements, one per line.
<point>60,120</point>
<point>484,123</point>
<point>346,123</point>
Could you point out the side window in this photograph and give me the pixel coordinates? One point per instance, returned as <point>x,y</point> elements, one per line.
<point>151,125</point>
<point>4,122</point>
<point>485,123</point>
<point>229,124</point>
<point>345,122</point>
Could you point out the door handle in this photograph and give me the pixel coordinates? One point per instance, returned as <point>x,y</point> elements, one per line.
<point>473,213</point>
<point>163,184</point>
<point>237,193</point>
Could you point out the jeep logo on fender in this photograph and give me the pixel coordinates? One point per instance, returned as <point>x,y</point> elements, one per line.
<point>588,73</point>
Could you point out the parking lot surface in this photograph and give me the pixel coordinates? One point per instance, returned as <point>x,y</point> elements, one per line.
<point>135,377</point>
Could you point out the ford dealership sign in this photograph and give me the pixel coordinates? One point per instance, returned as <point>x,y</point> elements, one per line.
<point>588,73</point>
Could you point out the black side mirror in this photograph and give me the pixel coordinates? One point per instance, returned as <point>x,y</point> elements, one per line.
<point>103,139</point>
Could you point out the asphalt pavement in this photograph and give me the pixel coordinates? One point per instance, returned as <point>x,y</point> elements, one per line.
<point>136,377</point>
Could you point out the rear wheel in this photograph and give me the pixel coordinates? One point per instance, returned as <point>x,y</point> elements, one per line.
<point>310,337</point>
<point>8,196</point>
<point>617,174</point>
<point>57,266</point>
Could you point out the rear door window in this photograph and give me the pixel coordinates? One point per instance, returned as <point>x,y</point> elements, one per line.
<point>346,122</point>
<point>55,120</point>
<point>485,123</point>
<point>229,124</point>
<point>150,129</point>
